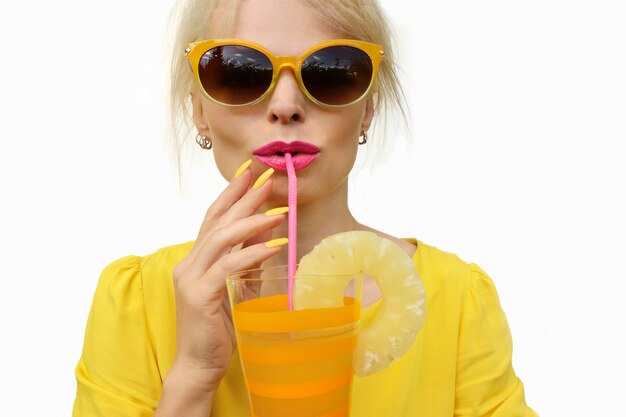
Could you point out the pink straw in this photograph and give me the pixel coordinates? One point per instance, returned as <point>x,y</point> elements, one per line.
<point>292,200</point>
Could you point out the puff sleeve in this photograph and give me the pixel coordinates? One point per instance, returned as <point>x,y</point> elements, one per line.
<point>486,382</point>
<point>117,374</point>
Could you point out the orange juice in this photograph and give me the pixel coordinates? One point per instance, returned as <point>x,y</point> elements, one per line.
<point>297,363</point>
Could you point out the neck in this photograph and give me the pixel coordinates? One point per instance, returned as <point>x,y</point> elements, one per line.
<point>316,220</point>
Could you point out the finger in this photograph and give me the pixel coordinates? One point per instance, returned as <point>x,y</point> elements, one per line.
<point>249,203</point>
<point>253,287</point>
<point>229,196</point>
<point>262,236</point>
<point>265,235</point>
<point>245,206</point>
<point>246,258</point>
<point>222,240</point>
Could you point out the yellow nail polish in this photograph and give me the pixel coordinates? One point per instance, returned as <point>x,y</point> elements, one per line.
<point>274,243</point>
<point>242,168</point>
<point>276,211</point>
<point>264,176</point>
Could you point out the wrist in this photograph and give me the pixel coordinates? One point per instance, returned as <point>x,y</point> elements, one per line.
<point>184,394</point>
<point>189,378</point>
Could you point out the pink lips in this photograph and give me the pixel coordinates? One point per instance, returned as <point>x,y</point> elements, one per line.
<point>273,154</point>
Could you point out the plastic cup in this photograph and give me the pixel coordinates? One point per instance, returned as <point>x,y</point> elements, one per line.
<point>295,363</point>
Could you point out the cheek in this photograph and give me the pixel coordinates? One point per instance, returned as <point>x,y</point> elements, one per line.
<point>344,130</point>
<point>229,132</point>
<point>342,133</point>
<point>227,126</point>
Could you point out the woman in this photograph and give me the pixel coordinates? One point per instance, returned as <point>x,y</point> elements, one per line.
<point>159,339</point>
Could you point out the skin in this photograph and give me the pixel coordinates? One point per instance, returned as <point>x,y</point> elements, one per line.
<point>232,234</point>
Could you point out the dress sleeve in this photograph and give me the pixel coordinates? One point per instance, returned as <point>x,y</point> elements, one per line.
<point>117,374</point>
<point>486,382</point>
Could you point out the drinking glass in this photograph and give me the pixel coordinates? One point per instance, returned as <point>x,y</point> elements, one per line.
<point>298,362</point>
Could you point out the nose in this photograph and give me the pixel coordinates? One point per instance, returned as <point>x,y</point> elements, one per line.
<point>286,101</point>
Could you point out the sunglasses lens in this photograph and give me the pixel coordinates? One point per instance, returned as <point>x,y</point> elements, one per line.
<point>234,74</point>
<point>337,75</point>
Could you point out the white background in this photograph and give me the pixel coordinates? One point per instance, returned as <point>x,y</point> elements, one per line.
<point>515,161</point>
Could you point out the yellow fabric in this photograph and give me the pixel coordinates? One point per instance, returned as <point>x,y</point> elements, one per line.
<point>460,364</point>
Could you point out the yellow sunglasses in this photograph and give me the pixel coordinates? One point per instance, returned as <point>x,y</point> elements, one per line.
<point>236,72</point>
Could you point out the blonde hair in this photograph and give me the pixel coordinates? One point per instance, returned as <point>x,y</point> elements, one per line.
<point>358,19</point>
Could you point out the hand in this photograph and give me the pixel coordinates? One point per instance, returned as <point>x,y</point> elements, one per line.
<point>205,334</point>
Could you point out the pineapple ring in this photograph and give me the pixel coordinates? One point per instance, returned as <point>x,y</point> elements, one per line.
<point>401,315</point>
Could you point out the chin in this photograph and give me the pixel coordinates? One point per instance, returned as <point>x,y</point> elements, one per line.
<point>308,192</point>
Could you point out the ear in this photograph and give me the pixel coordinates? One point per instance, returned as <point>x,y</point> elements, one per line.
<point>368,116</point>
<point>198,113</point>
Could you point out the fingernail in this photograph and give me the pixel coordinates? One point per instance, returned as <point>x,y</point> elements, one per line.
<point>276,211</point>
<point>264,176</point>
<point>274,243</point>
<point>242,168</point>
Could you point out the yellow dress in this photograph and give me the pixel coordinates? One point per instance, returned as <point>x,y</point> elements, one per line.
<point>460,364</point>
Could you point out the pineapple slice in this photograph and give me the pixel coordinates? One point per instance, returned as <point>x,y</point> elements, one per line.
<point>401,314</point>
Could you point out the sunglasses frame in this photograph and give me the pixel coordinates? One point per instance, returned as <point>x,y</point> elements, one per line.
<point>196,50</point>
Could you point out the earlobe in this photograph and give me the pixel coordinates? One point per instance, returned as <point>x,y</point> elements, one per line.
<point>368,115</point>
<point>198,115</point>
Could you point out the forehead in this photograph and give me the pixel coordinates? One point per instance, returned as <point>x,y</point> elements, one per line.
<point>285,27</point>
